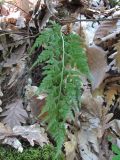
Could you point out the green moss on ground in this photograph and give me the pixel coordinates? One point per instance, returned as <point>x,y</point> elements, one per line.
<point>29,153</point>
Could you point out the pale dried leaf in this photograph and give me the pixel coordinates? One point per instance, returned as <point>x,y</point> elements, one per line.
<point>15,114</point>
<point>97,115</point>
<point>14,142</point>
<point>18,60</point>
<point>4,131</point>
<point>21,22</point>
<point>88,145</point>
<point>91,104</point>
<point>70,147</point>
<point>30,91</point>
<point>32,133</point>
<point>16,57</point>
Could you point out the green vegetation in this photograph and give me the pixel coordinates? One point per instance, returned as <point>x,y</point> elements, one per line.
<point>116,150</point>
<point>66,62</point>
<point>29,153</point>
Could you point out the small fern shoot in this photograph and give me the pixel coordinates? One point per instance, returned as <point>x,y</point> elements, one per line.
<point>66,62</point>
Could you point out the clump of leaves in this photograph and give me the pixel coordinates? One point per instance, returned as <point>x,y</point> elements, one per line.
<point>37,153</point>
<point>66,62</point>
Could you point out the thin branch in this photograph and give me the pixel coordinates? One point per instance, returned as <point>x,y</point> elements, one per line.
<point>72,20</point>
<point>11,32</point>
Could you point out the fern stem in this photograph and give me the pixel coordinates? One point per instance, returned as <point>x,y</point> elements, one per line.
<point>63,62</point>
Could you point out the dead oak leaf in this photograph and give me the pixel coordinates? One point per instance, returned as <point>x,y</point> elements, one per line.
<point>15,114</point>
<point>32,133</point>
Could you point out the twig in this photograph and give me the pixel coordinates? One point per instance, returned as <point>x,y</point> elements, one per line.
<point>11,32</point>
<point>87,20</point>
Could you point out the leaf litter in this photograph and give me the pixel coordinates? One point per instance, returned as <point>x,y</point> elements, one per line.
<point>100,106</point>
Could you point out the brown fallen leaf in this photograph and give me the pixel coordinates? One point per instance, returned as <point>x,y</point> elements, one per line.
<point>15,114</point>
<point>97,64</point>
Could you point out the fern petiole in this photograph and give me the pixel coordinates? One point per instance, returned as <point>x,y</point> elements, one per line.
<point>63,62</point>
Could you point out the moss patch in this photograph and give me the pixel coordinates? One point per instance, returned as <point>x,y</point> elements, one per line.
<point>29,153</point>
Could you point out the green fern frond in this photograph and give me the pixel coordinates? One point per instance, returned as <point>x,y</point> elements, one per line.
<point>66,62</point>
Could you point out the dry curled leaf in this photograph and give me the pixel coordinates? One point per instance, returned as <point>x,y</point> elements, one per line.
<point>15,114</point>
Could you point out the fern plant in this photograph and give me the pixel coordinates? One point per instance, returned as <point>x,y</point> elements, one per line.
<point>66,62</point>
<point>116,150</point>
